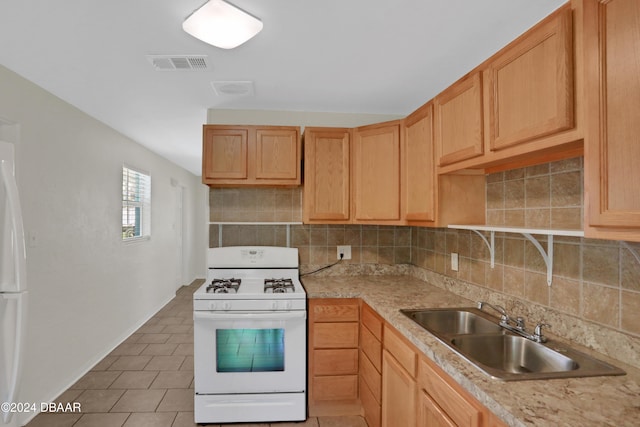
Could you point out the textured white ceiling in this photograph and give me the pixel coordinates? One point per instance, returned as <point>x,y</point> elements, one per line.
<point>350,56</point>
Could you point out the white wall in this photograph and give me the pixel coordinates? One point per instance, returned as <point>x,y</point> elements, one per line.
<point>87,289</point>
<point>294,118</point>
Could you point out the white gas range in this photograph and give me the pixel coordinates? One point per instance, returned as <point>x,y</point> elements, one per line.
<point>250,337</point>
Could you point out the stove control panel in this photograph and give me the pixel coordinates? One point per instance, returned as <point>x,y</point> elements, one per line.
<point>249,305</point>
<point>252,255</point>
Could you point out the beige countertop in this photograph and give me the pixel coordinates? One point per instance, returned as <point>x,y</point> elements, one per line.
<point>596,401</point>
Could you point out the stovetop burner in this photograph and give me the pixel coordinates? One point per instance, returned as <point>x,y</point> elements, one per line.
<point>224,286</point>
<point>278,286</point>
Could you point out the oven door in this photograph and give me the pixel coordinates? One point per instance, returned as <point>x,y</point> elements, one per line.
<point>257,352</point>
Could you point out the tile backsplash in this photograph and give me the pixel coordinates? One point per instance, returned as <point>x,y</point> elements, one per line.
<point>593,280</point>
<point>317,243</point>
<point>542,196</point>
<point>255,204</point>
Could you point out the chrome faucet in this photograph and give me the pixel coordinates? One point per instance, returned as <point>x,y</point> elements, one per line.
<point>504,317</point>
<point>516,325</point>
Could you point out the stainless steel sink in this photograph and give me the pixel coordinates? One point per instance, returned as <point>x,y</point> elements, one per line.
<point>452,321</point>
<point>478,338</point>
<point>512,354</point>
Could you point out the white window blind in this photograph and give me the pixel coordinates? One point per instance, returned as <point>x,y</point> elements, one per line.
<point>136,204</point>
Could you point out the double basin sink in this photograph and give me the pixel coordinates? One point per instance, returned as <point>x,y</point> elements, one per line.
<point>479,338</point>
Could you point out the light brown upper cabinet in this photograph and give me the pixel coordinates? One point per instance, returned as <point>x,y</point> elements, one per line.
<point>418,170</point>
<point>458,121</point>
<point>327,153</point>
<point>251,155</point>
<point>376,173</point>
<point>529,84</point>
<point>612,140</point>
<point>532,102</point>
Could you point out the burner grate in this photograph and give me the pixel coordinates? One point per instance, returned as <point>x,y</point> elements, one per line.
<point>278,286</point>
<point>224,286</point>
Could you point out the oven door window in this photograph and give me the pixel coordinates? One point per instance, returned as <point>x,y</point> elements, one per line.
<point>250,350</point>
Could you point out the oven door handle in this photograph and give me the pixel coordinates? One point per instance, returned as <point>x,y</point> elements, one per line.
<point>230,315</point>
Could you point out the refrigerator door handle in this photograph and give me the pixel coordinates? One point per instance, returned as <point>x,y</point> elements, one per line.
<point>14,375</point>
<point>16,223</point>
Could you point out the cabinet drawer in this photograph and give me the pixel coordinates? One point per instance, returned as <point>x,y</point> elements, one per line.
<point>460,408</point>
<point>371,376</point>
<point>432,415</point>
<point>334,311</point>
<point>372,321</point>
<point>371,347</point>
<point>335,335</point>
<point>370,405</point>
<point>401,350</point>
<point>335,362</point>
<point>339,387</point>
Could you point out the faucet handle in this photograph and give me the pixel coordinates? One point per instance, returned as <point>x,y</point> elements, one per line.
<point>537,332</point>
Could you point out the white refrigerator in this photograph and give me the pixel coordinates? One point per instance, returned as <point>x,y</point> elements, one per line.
<point>13,288</point>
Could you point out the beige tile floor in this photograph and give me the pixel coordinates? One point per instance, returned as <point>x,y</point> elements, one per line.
<point>148,380</point>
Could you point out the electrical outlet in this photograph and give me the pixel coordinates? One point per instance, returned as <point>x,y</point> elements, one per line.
<point>345,251</point>
<point>454,261</point>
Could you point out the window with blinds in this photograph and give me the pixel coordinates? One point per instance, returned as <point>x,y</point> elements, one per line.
<point>136,204</point>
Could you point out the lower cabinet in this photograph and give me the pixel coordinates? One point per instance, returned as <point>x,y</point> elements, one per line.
<point>360,365</point>
<point>333,356</point>
<point>370,374</point>
<point>443,402</point>
<point>399,385</point>
<point>430,414</point>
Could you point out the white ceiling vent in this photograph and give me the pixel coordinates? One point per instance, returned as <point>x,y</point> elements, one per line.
<point>233,88</point>
<point>179,62</point>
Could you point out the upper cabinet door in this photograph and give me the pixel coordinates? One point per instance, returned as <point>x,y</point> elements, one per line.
<point>418,170</point>
<point>326,173</point>
<point>376,173</point>
<point>224,153</point>
<point>251,156</point>
<point>458,121</point>
<point>277,154</point>
<point>612,141</point>
<point>530,84</point>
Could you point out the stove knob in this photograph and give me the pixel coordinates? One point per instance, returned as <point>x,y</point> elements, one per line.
<point>274,305</point>
<point>287,305</point>
<point>212,306</point>
<point>226,306</point>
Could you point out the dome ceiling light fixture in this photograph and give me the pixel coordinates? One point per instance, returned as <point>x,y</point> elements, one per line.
<point>222,24</point>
